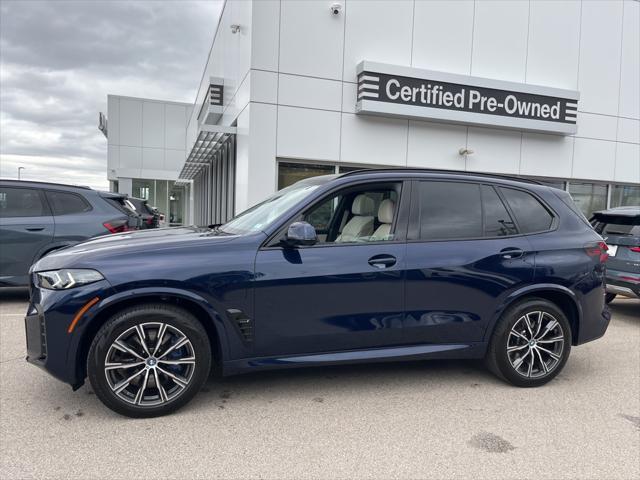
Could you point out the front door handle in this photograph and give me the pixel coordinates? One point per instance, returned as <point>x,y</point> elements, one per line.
<point>382,261</point>
<point>511,252</point>
<point>34,229</point>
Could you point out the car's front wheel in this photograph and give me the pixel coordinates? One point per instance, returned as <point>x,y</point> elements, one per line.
<point>149,360</point>
<point>530,344</point>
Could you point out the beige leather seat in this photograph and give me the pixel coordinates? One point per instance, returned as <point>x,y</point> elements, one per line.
<point>361,225</point>
<point>385,217</point>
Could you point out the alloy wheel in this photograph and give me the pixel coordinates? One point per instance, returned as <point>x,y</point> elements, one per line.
<point>150,364</point>
<point>535,344</point>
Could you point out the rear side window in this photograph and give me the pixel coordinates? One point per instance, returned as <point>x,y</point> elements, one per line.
<point>530,214</point>
<point>67,203</point>
<point>449,210</point>
<point>21,202</point>
<point>497,221</point>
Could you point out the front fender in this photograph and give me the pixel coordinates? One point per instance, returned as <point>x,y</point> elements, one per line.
<point>524,291</point>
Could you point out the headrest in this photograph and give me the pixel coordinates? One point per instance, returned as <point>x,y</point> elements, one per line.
<point>363,205</point>
<point>385,212</point>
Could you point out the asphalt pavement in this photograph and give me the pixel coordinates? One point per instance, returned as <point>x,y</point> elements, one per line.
<point>436,419</point>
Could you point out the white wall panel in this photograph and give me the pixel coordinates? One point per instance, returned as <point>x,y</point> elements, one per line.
<point>309,92</point>
<point>500,40</point>
<point>374,140</point>
<point>629,131</point>
<point>442,33</point>
<point>265,21</point>
<point>627,163</point>
<point>262,153</point>
<point>241,15</point>
<point>113,158</point>
<point>311,39</point>
<point>434,145</point>
<point>601,127</point>
<point>307,133</point>
<point>174,160</point>
<point>113,120</point>
<point>630,69</point>
<point>264,86</point>
<point>546,155</point>
<point>599,77</point>
<point>153,159</point>
<point>378,31</point>
<point>175,119</point>
<point>593,159</point>
<point>242,161</point>
<point>130,158</point>
<point>130,122</point>
<point>554,43</point>
<point>152,124</point>
<point>349,97</point>
<point>496,151</point>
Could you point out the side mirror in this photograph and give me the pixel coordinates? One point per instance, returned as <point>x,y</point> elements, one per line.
<point>300,233</point>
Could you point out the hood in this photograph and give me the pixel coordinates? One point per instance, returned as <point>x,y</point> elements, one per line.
<point>137,242</point>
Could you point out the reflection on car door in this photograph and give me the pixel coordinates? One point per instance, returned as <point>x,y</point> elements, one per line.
<point>462,258</point>
<point>331,297</point>
<point>26,227</point>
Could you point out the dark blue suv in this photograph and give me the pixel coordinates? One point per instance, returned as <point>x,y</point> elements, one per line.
<point>376,265</point>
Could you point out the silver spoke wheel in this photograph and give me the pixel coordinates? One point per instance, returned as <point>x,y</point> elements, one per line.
<point>535,344</point>
<point>150,364</point>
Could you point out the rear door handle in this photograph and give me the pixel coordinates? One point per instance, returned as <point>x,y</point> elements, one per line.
<point>511,252</point>
<point>34,229</point>
<point>382,261</point>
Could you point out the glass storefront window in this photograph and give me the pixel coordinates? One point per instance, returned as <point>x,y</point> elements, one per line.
<point>144,189</point>
<point>162,202</point>
<point>589,197</point>
<point>290,173</point>
<point>177,197</point>
<point>625,196</point>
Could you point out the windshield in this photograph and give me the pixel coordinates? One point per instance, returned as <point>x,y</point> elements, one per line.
<point>262,215</point>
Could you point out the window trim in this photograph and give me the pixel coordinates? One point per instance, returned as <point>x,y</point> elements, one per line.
<point>46,208</point>
<point>413,232</point>
<point>52,209</point>
<point>400,223</point>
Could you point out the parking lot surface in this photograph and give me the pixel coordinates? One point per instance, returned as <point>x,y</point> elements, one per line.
<point>402,420</point>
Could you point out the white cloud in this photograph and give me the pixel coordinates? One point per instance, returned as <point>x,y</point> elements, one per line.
<point>59,60</point>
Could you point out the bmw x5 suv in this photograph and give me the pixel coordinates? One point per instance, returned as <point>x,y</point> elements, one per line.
<point>376,265</point>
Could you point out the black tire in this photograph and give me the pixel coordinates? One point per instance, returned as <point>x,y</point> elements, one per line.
<point>177,321</point>
<point>608,297</point>
<point>500,362</point>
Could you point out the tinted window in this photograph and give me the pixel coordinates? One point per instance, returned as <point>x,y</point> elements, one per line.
<point>65,203</point>
<point>21,202</point>
<point>530,214</point>
<point>497,221</point>
<point>450,210</point>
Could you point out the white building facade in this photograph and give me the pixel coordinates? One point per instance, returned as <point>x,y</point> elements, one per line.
<point>281,99</point>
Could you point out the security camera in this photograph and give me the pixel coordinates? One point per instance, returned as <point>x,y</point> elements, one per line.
<point>335,8</point>
<point>465,151</point>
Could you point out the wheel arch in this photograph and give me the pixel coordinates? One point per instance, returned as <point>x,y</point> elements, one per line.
<point>197,306</point>
<point>559,295</point>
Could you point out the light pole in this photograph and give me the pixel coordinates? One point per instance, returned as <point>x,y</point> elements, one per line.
<point>19,169</point>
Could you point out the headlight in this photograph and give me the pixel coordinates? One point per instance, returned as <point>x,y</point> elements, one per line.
<point>67,278</point>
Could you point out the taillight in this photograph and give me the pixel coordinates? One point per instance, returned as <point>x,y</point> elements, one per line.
<point>149,221</point>
<point>635,249</point>
<point>116,226</point>
<point>597,249</point>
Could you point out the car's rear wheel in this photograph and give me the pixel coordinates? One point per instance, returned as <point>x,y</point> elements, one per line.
<point>530,344</point>
<point>149,360</point>
<point>608,297</point>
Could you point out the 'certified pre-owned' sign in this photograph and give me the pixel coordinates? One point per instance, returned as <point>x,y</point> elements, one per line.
<point>415,93</point>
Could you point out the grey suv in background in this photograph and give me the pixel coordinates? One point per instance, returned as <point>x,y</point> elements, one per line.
<point>37,217</point>
<point>620,227</point>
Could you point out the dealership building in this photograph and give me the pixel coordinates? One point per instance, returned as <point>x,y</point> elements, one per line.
<point>292,89</point>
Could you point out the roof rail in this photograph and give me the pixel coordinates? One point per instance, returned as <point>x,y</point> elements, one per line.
<point>436,170</point>
<point>13,180</point>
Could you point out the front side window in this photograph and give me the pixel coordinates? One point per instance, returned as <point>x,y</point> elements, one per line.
<point>65,203</point>
<point>21,202</point>
<point>356,215</point>
<point>530,214</point>
<point>449,210</point>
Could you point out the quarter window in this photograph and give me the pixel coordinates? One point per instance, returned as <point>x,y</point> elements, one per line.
<point>66,203</point>
<point>21,202</point>
<point>449,210</point>
<point>497,221</point>
<point>531,215</point>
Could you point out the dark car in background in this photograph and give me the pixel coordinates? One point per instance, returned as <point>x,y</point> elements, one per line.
<point>37,218</point>
<point>377,265</point>
<point>150,217</point>
<point>620,228</point>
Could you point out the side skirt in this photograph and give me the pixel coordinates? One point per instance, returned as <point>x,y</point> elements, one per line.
<point>392,354</point>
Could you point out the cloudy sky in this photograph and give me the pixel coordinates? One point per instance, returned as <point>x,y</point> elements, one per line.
<point>59,59</point>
